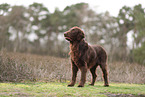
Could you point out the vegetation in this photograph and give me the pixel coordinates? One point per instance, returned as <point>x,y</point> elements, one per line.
<point>18,67</point>
<point>33,29</point>
<point>40,89</point>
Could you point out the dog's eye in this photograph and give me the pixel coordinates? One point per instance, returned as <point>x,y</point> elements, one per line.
<point>73,31</point>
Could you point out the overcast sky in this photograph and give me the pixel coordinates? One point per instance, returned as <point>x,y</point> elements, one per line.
<point>112,6</point>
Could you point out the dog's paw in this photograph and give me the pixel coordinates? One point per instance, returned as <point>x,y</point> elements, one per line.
<point>70,85</point>
<point>91,84</point>
<point>80,86</point>
<point>106,85</point>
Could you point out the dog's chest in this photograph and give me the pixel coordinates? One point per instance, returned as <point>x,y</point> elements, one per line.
<point>74,53</point>
<point>74,56</point>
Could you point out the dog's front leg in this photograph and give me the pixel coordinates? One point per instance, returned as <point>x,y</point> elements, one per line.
<point>83,76</point>
<point>74,74</point>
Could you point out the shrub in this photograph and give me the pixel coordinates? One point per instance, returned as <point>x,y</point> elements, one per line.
<point>16,67</point>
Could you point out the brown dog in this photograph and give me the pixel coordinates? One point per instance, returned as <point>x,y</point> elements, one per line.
<point>84,56</point>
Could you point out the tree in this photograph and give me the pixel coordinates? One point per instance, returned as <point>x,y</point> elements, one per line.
<point>139,34</point>
<point>40,23</point>
<point>132,19</point>
<point>126,24</point>
<point>4,25</point>
<point>18,25</point>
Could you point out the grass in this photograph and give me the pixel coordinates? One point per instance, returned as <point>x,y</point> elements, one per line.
<point>43,89</point>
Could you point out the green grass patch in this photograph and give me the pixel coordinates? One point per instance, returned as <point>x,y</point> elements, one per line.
<point>41,89</point>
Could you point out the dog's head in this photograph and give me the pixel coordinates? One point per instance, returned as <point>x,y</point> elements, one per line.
<point>74,34</point>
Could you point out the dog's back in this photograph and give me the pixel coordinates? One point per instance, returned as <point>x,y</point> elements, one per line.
<point>101,54</point>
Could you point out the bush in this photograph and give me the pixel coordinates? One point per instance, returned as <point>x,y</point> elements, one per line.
<point>139,54</point>
<point>17,67</point>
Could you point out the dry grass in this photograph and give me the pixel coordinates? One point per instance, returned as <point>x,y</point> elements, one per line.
<point>18,67</point>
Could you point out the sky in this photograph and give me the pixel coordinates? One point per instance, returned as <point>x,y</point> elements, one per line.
<point>112,6</point>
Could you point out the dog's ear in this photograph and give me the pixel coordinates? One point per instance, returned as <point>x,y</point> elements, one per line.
<point>81,35</point>
<point>86,45</point>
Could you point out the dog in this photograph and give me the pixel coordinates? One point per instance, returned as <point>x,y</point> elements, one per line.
<point>84,57</point>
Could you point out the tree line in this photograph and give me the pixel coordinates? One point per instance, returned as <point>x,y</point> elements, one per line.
<point>34,29</point>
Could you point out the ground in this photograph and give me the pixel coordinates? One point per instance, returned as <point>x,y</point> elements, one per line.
<point>43,89</point>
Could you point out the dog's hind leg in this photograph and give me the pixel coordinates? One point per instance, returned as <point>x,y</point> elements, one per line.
<point>94,75</point>
<point>105,73</point>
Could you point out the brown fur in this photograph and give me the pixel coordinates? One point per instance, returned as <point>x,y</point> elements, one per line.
<point>84,57</point>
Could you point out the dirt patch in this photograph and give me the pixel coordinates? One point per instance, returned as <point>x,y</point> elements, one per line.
<point>14,93</point>
<point>124,95</point>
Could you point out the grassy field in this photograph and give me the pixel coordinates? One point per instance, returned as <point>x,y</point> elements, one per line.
<point>51,89</point>
<point>25,75</point>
